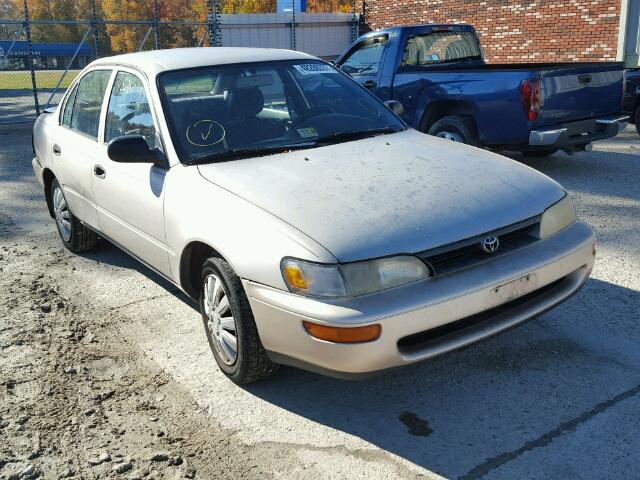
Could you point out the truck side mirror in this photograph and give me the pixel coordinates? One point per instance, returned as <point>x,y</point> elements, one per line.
<point>395,106</point>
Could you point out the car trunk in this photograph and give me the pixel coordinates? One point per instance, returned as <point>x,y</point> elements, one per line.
<point>577,91</point>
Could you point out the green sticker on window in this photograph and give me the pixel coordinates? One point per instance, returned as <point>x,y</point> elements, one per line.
<point>307,132</point>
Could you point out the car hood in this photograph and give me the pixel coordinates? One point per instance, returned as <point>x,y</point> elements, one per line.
<point>390,194</point>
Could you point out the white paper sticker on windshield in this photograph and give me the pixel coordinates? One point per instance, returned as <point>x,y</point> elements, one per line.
<point>314,68</point>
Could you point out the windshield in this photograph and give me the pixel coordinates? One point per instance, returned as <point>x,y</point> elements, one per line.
<point>441,47</point>
<point>218,111</point>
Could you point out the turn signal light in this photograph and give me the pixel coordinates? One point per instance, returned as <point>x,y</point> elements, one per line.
<point>367,333</point>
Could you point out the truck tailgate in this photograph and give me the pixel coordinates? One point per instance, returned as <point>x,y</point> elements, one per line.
<point>580,90</point>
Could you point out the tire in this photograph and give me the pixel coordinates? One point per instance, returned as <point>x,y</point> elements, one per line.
<point>250,362</point>
<point>540,153</point>
<point>75,236</point>
<point>637,120</point>
<point>456,128</point>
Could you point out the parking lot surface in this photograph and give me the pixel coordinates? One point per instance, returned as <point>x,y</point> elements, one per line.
<point>106,371</point>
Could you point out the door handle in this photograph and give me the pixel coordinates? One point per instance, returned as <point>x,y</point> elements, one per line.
<point>585,79</point>
<point>370,84</point>
<point>56,149</point>
<point>98,171</point>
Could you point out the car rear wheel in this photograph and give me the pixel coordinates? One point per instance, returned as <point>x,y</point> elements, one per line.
<point>229,325</point>
<point>457,129</point>
<point>637,120</point>
<point>75,236</point>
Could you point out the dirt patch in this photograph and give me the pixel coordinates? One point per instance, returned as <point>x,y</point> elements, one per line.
<point>78,401</point>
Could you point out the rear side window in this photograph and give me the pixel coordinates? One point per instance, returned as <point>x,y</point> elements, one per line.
<point>365,58</point>
<point>68,108</point>
<point>440,47</point>
<point>129,112</point>
<point>87,104</point>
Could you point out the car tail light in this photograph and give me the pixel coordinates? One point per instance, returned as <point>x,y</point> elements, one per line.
<point>531,96</point>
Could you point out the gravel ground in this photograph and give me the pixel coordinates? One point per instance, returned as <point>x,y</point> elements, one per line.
<point>105,371</point>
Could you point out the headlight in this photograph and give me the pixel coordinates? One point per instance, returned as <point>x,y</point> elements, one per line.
<point>557,217</point>
<point>352,279</point>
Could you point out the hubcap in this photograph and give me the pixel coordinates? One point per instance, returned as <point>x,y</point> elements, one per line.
<point>220,321</point>
<point>61,214</point>
<point>453,136</point>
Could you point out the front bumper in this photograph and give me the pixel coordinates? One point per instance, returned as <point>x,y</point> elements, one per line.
<point>460,308</point>
<point>575,135</point>
<point>38,171</point>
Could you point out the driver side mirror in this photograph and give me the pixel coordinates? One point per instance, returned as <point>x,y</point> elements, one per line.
<point>134,149</point>
<point>395,106</point>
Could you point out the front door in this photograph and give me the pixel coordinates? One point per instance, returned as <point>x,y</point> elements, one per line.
<point>129,196</point>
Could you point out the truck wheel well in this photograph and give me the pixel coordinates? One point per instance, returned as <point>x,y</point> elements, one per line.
<point>437,110</point>
<point>47,177</point>
<point>193,257</point>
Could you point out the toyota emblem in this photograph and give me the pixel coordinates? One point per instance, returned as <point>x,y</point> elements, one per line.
<point>490,244</point>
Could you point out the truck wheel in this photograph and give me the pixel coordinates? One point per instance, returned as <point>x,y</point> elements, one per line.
<point>540,153</point>
<point>74,235</point>
<point>457,129</point>
<point>229,325</point>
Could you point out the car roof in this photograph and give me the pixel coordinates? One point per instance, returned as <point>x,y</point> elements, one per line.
<point>155,61</point>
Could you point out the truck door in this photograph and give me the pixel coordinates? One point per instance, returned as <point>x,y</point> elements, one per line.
<point>364,60</point>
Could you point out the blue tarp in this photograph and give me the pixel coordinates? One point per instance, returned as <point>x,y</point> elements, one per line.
<point>21,49</point>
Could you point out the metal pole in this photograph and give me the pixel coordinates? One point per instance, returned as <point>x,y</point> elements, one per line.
<point>94,29</point>
<point>213,24</point>
<point>66,70</point>
<point>293,24</point>
<point>146,35</point>
<point>27,33</point>
<point>156,30</point>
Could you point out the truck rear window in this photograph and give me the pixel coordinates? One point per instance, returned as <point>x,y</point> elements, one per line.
<point>441,47</point>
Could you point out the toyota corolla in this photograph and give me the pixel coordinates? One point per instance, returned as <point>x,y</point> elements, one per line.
<point>312,225</point>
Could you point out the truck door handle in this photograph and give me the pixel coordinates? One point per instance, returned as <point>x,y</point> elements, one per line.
<point>98,171</point>
<point>584,79</point>
<point>56,149</point>
<point>370,84</point>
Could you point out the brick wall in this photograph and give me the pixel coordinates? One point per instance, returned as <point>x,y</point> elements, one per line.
<point>513,31</point>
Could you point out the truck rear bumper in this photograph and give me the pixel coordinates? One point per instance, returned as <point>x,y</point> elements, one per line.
<point>574,136</point>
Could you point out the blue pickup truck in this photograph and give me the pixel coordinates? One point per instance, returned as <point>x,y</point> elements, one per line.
<point>631,98</point>
<point>438,74</point>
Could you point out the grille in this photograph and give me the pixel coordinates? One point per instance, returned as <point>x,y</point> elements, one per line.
<point>468,253</point>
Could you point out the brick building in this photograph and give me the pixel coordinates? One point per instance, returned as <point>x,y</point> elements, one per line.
<point>518,31</point>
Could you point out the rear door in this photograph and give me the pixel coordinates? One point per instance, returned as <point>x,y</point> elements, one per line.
<point>75,143</point>
<point>580,91</point>
<point>129,196</point>
<point>364,61</point>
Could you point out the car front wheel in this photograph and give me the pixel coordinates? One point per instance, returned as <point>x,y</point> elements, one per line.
<point>230,326</point>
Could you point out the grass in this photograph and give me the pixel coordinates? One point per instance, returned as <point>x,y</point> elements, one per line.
<point>11,80</point>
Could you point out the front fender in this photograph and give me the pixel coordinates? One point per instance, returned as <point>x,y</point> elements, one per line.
<point>250,239</point>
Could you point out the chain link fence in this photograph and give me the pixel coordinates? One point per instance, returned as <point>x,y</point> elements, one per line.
<point>40,57</point>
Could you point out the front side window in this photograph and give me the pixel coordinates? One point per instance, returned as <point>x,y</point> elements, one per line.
<point>441,47</point>
<point>87,104</point>
<point>365,59</point>
<point>268,106</point>
<point>128,112</point>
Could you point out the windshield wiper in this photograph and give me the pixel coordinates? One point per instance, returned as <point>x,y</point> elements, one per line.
<point>354,135</point>
<point>238,153</point>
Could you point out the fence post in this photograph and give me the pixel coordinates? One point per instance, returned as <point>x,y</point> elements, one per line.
<point>215,36</point>
<point>156,25</point>
<point>293,24</point>
<point>27,33</point>
<point>94,29</point>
